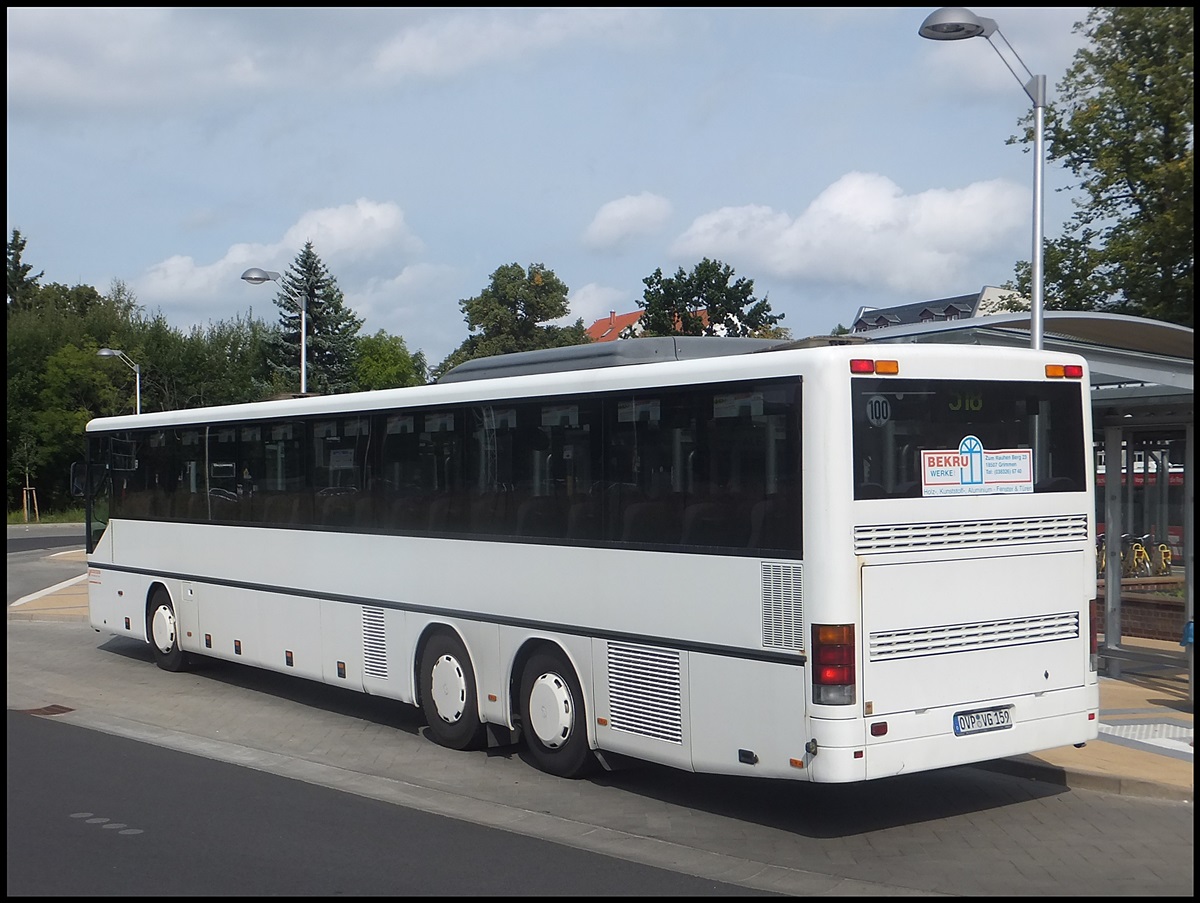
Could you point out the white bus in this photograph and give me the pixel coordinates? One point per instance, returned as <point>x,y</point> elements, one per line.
<point>820,561</point>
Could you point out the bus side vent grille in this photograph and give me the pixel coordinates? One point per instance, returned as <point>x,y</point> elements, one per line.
<point>888,645</point>
<point>782,608</point>
<point>375,663</point>
<point>645,694</point>
<point>969,534</point>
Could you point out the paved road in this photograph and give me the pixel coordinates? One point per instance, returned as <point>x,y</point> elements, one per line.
<point>37,557</point>
<point>92,813</point>
<point>25,541</point>
<point>959,831</point>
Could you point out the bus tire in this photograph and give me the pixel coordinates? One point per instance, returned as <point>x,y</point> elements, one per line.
<point>448,694</point>
<point>163,630</point>
<point>553,720</point>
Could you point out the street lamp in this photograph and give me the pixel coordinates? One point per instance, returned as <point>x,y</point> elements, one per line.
<point>954,23</point>
<point>137,371</point>
<point>255,276</point>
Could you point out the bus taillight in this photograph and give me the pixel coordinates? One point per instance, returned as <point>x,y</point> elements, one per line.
<point>833,674</point>
<point>1064,371</point>
<point>882,368</point>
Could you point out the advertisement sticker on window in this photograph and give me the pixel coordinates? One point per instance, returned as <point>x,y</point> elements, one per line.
<point>972,469</point>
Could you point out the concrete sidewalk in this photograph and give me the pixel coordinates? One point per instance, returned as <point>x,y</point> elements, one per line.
<point>1144,748</point>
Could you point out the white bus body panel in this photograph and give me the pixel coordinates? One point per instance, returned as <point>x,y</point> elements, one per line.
<point>928,646</point>
<point>753,706</point>
<point>331,620</point>
<point>956,634</point>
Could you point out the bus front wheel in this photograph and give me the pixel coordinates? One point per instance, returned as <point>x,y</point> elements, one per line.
<point>448,696</point>
<point>553,723</point>
<point>164,632</point>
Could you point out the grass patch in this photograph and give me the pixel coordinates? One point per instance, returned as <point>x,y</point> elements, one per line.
<point>71,516</point>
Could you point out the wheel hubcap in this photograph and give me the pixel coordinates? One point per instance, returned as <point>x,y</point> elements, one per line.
<point>551,710</point>
<point>162,627</point>
<point>448,687</point>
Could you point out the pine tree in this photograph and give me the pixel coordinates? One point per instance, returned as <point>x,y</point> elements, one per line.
<point>22,288</point>
<point>331,328</point>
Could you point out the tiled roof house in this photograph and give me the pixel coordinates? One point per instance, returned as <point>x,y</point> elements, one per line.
<point>624,326</point>
<point>614,326</point>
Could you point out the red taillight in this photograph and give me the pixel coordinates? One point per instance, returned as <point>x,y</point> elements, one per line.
<point>833,656</point>
<point>1064,371</point>
<point>834,674</point>
<point>885,368</point>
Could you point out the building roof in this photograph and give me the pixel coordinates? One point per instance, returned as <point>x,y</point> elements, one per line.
<point>610,328</point>
<point>869,318</point>
<point>1120,350</point>
<point>1141,370</point>
<point>616,326</point>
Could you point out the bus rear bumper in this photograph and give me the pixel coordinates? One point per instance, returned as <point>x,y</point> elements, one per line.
<point>910,742</point>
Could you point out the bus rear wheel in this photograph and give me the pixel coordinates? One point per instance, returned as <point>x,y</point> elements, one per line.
<point>553,723</point>
<point>164,632</point>
<point>448,696</point>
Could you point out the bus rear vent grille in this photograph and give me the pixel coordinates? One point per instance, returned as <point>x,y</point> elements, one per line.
<point>969,534</point>
<point>887,645</point>
<point>782,608</point>
<point>375,662</point>
<point>645,693</point>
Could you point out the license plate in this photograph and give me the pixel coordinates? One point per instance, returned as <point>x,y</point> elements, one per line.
<point>982,720</point>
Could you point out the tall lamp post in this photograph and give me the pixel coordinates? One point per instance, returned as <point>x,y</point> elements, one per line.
<point>137,371</point>
<point>954,23</point>
<point>255,276</point>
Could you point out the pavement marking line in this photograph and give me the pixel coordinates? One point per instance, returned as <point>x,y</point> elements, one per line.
<point>1168,736</point>
<point>48,590</point>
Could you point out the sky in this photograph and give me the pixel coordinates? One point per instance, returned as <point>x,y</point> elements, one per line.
<point>833,157</point>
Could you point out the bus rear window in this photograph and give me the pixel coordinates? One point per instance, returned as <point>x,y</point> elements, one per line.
<point>932,438</point>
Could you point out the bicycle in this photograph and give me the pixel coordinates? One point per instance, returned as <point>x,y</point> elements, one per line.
<point>1137,562</point>
<point>1162,567</point>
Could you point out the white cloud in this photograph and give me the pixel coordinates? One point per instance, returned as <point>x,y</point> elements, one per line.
<point>864,230</point>
<point>341,236</point>
<point>177,60</point>
<point>469,40</point>
<point>592,302</point>
<point>619,222</point>
<point>351,231</point>
<point>419,304</point>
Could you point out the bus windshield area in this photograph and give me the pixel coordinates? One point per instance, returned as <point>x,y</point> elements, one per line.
<point>918,438</point>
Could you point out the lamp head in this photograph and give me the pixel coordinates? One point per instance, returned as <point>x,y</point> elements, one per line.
<point>256,276</point>
<point>955,23</point>
<point>108,352</point>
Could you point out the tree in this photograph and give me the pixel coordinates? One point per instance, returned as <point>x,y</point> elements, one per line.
<point>509,314</point>
<point>705,302</point>
<point>22,287</point>
<point>383,361</point>
<point>1124,127</point>
<point>332,328</point>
